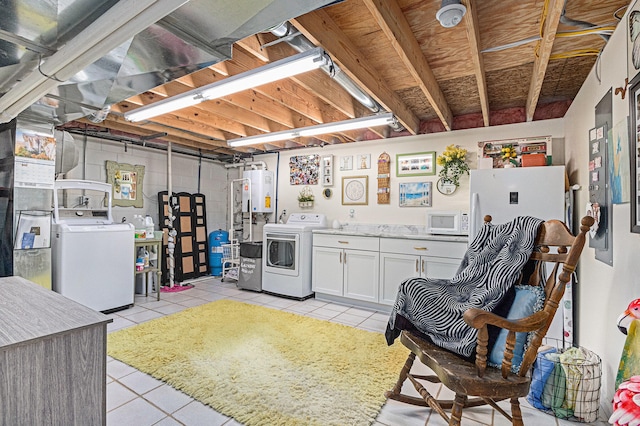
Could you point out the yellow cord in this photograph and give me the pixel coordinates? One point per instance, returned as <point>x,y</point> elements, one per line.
<point>575,54</point>
<point>584,32</point>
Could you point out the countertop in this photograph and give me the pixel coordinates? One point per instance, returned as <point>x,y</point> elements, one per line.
<point>392,234</point>
<point>29,312</point>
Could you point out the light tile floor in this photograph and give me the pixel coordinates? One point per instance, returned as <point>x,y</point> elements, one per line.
<point>135,398</point>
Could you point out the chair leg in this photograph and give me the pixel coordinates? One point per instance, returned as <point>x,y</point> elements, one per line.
<point>403,375</point>
<point>456,410</point>
<point>516,413</point>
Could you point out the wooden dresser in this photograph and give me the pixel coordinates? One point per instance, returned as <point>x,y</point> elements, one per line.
<point>52,358</point>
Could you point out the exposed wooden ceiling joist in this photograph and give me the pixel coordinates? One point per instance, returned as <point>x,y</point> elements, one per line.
<point>318,27</point>
<point>130,129</point>
<point>551,15</point>
<point>391,20</point>
<point>483,72</point>
<point>473,34</point>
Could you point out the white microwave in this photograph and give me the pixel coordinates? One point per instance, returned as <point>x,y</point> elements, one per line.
<point>448,222</point>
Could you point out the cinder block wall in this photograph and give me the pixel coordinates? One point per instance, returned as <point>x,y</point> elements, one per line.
<point>213,177</point>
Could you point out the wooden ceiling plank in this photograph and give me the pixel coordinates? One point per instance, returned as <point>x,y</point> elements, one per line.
<point>158,128</point>
<point>238,101</point>
<point>293,100</point>
<point>263,108</point>
<point>473,34</point>
<point>198,114</point>
<point>170,120</point>
<point>318,27</point>
<point>243,62</point>
<point>234,112</point>
<point>393,23</point>
<point>322,86</point>
<point>191,126</point>
<point>554,11</point>
<point>253,44</point>
<point>140,131</point>
<point>262,105</point>
<point>226,111</point>
<point>326,89</point>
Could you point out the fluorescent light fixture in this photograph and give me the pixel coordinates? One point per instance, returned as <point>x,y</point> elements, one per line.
<point>284,68</point>
<point>320,129</point>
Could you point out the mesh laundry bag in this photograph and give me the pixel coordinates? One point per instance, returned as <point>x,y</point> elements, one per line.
<point>566,383</point>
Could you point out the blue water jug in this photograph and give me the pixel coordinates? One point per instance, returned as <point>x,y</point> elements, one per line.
<point>216,239</point>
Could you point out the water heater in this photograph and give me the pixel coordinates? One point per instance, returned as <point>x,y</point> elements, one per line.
<point>261,191</point>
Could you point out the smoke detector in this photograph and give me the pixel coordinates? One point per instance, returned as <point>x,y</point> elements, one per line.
<point>450,13</point>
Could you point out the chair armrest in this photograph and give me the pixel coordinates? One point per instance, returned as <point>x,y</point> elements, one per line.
<point>477,318</point>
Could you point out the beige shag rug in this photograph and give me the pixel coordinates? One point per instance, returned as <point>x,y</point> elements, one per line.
<point>265,367</point>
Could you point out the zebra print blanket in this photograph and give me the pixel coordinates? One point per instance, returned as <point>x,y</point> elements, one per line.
<point>490,267</point>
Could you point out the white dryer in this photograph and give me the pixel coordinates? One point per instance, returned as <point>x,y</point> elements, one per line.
<point>286,255</point>
<point>93,259</point>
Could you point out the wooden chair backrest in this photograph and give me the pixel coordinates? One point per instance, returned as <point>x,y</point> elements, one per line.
<point>556,246</point>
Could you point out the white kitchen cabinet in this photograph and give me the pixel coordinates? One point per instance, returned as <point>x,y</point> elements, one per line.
<point>327,271</point>
<point>361,274</point>
<point>346,266</point>
<point>406,258</point>
<point>370,269</point>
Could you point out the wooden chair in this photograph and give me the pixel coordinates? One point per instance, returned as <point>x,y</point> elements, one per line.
<point>488,385</point>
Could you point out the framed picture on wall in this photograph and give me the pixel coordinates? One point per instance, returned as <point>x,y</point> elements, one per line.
<point>363,161</point>
<point>327,170</point>
<point>126,181</point>
<point>303,169</point>
<point>415,194</point>
<point>416,164</point>
<point>346,162</point>
<point>355,190</point>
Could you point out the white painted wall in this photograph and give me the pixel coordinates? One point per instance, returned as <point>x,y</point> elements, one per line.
<point>604,291</point>
<point>392,213</point>
<point>213,177</point>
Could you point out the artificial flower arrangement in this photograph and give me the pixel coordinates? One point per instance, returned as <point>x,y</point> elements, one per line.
<point>306,196</point>
<point>509,155</point>
<point>454,164</point>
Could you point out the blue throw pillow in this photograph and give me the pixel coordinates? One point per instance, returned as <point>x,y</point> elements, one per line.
<point>528,300</point>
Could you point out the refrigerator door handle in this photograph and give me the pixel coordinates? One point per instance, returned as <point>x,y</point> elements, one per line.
<point>476,220</point>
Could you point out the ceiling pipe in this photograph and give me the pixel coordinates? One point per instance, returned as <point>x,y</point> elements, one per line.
<point>290,34</point>
<point>247,163</point>
<point>99,116</point>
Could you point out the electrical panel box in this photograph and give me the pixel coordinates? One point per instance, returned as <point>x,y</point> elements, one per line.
<point>257,191</point>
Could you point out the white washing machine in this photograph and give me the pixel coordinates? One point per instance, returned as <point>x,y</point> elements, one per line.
<point>93,259</point>
<point>286,255</point>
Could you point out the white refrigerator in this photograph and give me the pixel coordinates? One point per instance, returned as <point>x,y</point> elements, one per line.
<point>523,191</point>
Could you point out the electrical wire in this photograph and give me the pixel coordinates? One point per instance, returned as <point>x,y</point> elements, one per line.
<point>615,14</point>
<point>543,17</point>
<point>604,29</point>
<point>575,54</point>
